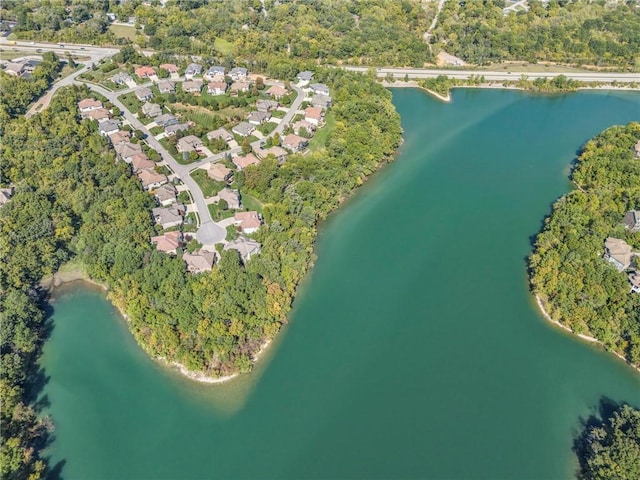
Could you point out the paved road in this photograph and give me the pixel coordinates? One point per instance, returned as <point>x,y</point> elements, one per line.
<point>43,102</point>
<point>604,77</point>
<point>94,53</point>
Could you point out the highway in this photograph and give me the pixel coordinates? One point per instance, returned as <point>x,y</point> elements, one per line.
<point>491,76</point>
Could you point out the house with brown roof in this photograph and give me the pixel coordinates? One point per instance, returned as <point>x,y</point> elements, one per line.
<point>143,94</point>
<point>144,72</point>
<point>294,143</point>
<point>216,88</point>
<point>241,161</point>
<point>631,220</point>
<point>276,91</point>
<point>88,104</point>
<point>141,162</point>
<point>237,87</point>
<point>188,144</point>
<point>199,261</point>
<point>232,197</point>
<point>174,128</point>
<point>314,115</point>
<point>99,114</point>
<point>246,247</point>
<point>121,136</point>
<point>192,86</point>
<point>278,152</point>
<point>249,222</point>
<point>618,252</point>
<point>219,173</point>
<point>221,133</point>
<point>308,126</point>
<point>126,151</point>
<point>151,179</point>
<point>165,195</point>
<point>168,242</point>
<point>170,67</point>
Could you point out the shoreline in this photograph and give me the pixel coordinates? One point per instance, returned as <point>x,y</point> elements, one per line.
<point>582,336</point>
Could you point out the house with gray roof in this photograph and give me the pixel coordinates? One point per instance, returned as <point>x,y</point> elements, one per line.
<point>305,77</point>
<point>244,129</point>
<point>238,74</point>
<point>171,130</point>
<point>221,133</point>
<point>215,74</point>
<point>5,195</point>
<point>188,144</point>
<point>165,86</point>
<point>168,217</point>
<point>192,86</point>
<point>151,109</point>
<point>258,118</point>
<point>143,94</point>
<point>618,252</point>
<point>266,105</point>
<point>165,195</point>
<point>108,127</point>
<point>322,101</point>
<point>193,70</point>
<point>631,220</point>
<point>165,120</point>
<point>122,78</point>
<point>319,89</point>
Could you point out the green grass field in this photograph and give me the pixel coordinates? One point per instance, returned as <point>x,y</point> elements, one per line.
<point>251,203</point>
<point>124,31</point>
<point>318,141</point>
<point>223,46</point>
<point>209,187</point>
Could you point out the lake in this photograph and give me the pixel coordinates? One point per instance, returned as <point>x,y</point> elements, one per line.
<point>415,349</point>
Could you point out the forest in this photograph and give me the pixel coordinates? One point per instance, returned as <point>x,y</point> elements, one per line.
<point>72,201</point>
<point>577,286</point>
<point>570,32</point>
<point>608,447</point>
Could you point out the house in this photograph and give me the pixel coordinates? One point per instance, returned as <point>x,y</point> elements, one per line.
<point>232,197</point>
<point>168,217</point>
<point>143,94</point>
<point>151,110</point>
<point>216,88</point>
<point>5,195</point>
<point>165,195</point>
<point>244,161</point>
<point>305,77</point>
<point>199,261</point>
<point>172,129</point>
<point>215,74</point>
<point>168,242</point>
<point>140,162</point>
<point>165,120</point>
<point>192,86</point>
<point>246,247</point>
<point>190,143</point>
<point>144,72</point>
<point>631,220</point>
<point>618,252</point>
<point>276,91</point>
<point>126,151</point>
<point>108,127</point>
<point>314,115</point>
<point>14,69</point>
<point>308,126</point>
<point>258,118</point>
<point>221,133</point>
<point>636,149</point>
<point>249,222</point>
<point>193,70</point>
<point>151,179</point>
<point>634,281</point>
<point>170,67</point>
<point>121,136</point>
<point>319,89</point>
<point>322,101</point>
<point>238,74</point>
<point>165,86</point>
<point>295,143</point>
<point>219,173</point>
<point>244,129</point>
<point>266,105</point>
<point>123,78</point>
<point>278,152</point>
<point>99,114</point>
<point>237,87</point>
<point>88,104</point>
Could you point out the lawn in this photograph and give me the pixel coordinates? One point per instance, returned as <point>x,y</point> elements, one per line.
<point>218,214</point>
<point>223,46</point>
<point>278,114</point>
<point>131,102</point>
<point>190,222</point>
<point>267,128</point>
<point>320,138</point>
<point>201,117</point>
<point>124,31</point>
<point>251,203</point>
<point>210,188</point>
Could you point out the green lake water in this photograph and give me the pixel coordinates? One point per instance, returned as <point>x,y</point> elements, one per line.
<point>415,349</point>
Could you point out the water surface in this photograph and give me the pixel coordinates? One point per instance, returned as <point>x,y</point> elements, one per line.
<point>415,350</point>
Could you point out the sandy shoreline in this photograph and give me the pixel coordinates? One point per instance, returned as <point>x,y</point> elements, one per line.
<point>587,338</point>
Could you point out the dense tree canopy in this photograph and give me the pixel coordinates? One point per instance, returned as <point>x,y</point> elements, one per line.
<point>578,287</point>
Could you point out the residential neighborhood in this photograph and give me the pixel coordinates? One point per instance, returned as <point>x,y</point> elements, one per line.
<point>620,254</point>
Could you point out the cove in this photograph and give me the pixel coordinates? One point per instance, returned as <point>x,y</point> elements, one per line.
<point>415,349</point>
